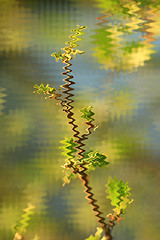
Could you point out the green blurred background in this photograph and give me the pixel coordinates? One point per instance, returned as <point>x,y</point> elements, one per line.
<point>118,75</point>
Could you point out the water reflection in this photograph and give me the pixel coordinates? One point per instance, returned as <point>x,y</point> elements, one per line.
<point>126,36</point>
<point>77,142</point>
<point>15,35</point>
<point>2,99</point>
<point>126,107</point>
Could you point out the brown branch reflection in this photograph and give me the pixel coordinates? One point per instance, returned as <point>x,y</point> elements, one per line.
<point>81,170</point>
<point>149,18</point>
<point>93,202</point>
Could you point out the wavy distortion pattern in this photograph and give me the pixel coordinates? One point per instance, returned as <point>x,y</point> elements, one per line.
<point>149,28</point>
<point>67,103</point>
<point>68,108</point>
<point>90,197</point>
<point>114,48</point>
<point>21,226</point>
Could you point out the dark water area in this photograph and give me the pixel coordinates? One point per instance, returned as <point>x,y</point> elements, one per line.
<point>118,75</point>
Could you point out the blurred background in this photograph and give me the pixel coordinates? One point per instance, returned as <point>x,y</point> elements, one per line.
<point>118,75</point>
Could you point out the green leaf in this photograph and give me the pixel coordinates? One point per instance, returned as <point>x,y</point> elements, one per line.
<point>69,50</point>
<point>96,159</point>
<point>69,147</point>
<point>57,55</point>
<point>45,89</point>
<point>113,191</point>
<point>78,51</point>
<point>68,174</point>
<point>22,225</point>
<point>125,201</point>
<point>118,194</point>
<point>67,178</point>
<point>87,113</point>
<point>97,235</point>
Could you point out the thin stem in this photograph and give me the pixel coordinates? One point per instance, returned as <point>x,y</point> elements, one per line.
<point>93,202</point>
<point>67,107</point>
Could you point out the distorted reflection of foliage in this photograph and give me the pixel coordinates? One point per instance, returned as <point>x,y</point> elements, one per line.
<point>82,163</point>
<point>126,109</point>
<point>126,34</point>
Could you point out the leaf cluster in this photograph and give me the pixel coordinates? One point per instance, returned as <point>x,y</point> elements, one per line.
<point>91,159</point>
<point>67,55</point>
<point>97,235</point>
<point>45,89</point>
<point>118,193</point>
<point>69,50</point>
<point>87,113</point>
<point>22,225</point>
<point>94,159</point>
<point>69,147</point>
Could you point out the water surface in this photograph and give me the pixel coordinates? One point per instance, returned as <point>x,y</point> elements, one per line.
<point>118,75</point>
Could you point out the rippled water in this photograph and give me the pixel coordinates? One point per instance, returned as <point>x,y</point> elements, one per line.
<point>118,75</point>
